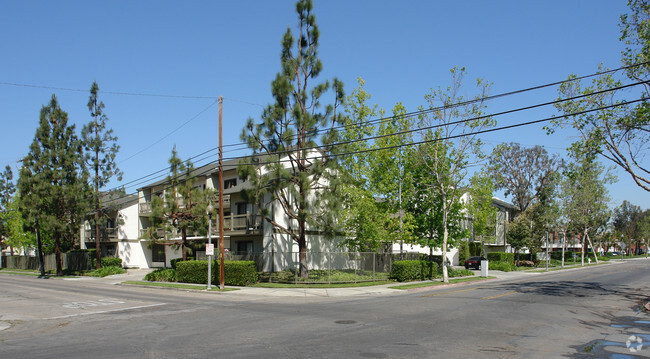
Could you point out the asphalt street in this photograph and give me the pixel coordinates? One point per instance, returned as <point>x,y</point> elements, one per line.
<point>586,312</point>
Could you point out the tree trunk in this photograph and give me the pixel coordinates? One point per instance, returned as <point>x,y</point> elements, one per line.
<point>445,273</point>
<point>98,251</point>
<point>302,250</point>
<point>57,253</point>
<point>582,248</point>
<point>39,246</point>
<point>563,246</point>
<point>184,243</point>
<point>592,246</point>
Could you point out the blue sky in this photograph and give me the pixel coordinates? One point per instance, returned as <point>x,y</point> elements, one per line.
<point>228,48</point>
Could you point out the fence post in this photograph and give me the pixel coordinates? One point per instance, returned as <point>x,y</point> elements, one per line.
<point>374,261</point>
<point>329,267</point>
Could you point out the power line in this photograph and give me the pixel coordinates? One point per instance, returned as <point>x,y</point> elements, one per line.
<point>417,113</point>
<point>488,130</point>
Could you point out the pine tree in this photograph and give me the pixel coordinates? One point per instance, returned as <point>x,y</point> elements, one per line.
<point>52,183</point>
<point>296,176</point>
<point>100,150</point>
<point>182,208</point>
<point>7,189</point>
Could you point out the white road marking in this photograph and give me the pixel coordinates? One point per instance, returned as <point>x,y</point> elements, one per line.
<point>107,311</point>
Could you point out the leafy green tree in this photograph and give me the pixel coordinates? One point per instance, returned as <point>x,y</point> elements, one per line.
<point>480,208</point>
<point>628,221</point>
<point>363,218</point>
<point>389,177</point>
<point>52,183</point>
<point>451,145</point>
<point>294,173</point>
<point>7,189</point>
<point>584,185</point>
<point>519,233</point>
<point>182,208</point>
<point>16,236</point>
<point>100,146</point>
<point>523,173</point>
<point>621,133</point>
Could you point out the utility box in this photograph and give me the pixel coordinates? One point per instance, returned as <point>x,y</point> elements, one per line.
<point>484,268</point>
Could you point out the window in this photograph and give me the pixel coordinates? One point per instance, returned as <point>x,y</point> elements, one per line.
<point>229,183</point>
<point>241,207</point>
<point>158,253</point>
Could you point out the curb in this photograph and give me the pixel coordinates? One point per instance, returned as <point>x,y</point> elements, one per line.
<point>448,285</point>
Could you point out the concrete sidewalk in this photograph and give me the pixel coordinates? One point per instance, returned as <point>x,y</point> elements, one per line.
<point>138,274</point>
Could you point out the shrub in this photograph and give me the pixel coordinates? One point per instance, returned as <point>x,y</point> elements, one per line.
<point>111,262</point>
<point>413,270</point>
<point>475,249</point>
<point>239,273</point>
<point>162,275</point>
<point>459,272</point>
<point>463,251</point>
<point>176,260</point>
<point>501,257</point>
<point>526,263</point>
<point>502,266</point>
<point>106,271</point>
<point>235,272</point>
<point>194,271</point>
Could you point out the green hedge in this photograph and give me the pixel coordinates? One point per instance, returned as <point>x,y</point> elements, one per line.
<point>111,262</point>
<point>502,266</point>
<point>463,251</point>
<point>413,270</point>
<point>161,275</point>
<point>501,257</point>
<point>239,273</point>
<point>106,261</point>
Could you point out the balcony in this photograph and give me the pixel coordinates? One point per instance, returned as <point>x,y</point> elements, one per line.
<point>105,234</point>
<point>145,207</point>
<point>233,224</point>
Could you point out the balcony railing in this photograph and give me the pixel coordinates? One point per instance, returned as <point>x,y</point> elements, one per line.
<point>145,207</point>
<point>231,223</point>
<point>105,234</point>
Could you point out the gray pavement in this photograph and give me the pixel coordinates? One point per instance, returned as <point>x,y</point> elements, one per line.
<point>138,274</point>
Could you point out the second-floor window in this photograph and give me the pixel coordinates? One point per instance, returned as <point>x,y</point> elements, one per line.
<point>229,183</point>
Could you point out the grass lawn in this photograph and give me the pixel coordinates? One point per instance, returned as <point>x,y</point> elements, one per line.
<point>21,272</point>
<point>178,285</point>
<point>320,285</point>
<point>437,283</point>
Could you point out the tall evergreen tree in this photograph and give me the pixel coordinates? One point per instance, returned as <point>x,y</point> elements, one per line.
<point>182,208</point>
<point>295,176</point>
<point>7,189</point>
<point>52,183</point>
<point>100,147</point>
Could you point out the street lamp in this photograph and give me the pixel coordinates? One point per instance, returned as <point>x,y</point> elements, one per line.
<point>209,248</point>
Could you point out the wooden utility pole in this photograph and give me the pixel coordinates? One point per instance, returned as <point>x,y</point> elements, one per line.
<point>221,254</point>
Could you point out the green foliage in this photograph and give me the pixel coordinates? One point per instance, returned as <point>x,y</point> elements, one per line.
<point>53,181</point>
<point>7,189</point>
<point>460,272</point>
<point>463,251</point>
<point>106,271</point>
<point>607,125</point>
<point>501,257</point>
<point>475,249</point>
<point>111,262</point>
<point>480,208</point>
<point>519,234</point>
<point>502,266</point>
<point>239,273</point>
<point>413,270</point>
<point>162,275</point>
<point>182,209</point>
<point>175,261</point>
<point>195,271</point>
<point>14,223</point>
<point>305,185</point>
